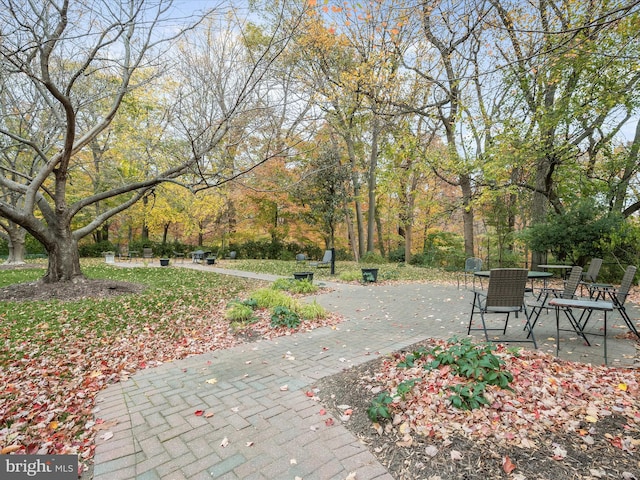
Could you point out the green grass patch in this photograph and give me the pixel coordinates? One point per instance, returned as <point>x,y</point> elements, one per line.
<point>173,299</point>
<point>386,271</point>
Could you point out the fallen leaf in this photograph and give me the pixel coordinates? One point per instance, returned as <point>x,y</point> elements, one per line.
<point>406,441</point>
<point>456,455</point>
<point>212,381</point>
<point>351,476</point>
<point>224,443</point>
<point>559,453</point>
<point>106,436</point>
<point>328,422</point>
<point>323,411</point>
<point>198,413</point>
<point>248,444</point>
<point>284,388</point>
<point>10,449</point>
<point>431,450</point>
<point>507,465</point>
<point>208,415</point>
<point>293,461</point>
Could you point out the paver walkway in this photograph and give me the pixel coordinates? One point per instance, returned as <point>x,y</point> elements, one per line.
<point>269,431</point>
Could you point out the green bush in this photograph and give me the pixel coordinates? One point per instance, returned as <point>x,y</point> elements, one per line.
<point>311,311</point>
<point>270,298</point>
<point>96,249</point>
<point>284,317</point>
<point>350,276</point>
<point>239,312</point>
<point>397,255</point>
<point>372,258</point>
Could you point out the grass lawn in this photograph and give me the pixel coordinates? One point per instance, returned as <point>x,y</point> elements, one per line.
<point>344,271</point>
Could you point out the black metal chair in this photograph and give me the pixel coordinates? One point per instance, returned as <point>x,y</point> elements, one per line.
<point>504,295</point>
<point>591,275</point>
<point>618,297</point>
<point>471,266</point>
<point>546,294</point>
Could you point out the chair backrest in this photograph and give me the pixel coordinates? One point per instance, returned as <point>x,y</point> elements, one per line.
<point>327,256</point>
<point>571,285</point>
<point>594,268</point>
<point>301,257</point>
<point>472,264</point>
<point>147,253</point>
<point>625,284</point>
<point>232,255</point>
<point>506,287</point>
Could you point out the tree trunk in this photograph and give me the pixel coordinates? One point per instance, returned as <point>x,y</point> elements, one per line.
<point>165,233</point>
<point>16,240</point>
<point>467,215</point>
<point>355,181</point>
<point>371,183</point>
<point>64,259</point>
<point>380,230</point>
<point>351,235</point>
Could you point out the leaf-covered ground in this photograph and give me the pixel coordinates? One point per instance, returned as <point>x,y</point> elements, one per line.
<point>561,420</point>
<point>61,344</point>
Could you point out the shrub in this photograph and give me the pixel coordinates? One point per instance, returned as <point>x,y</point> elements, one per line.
<point>373,258</point>
<point>270,298</point>
<point>350,276</point>
<point>397,255</point>
<point>284,317</point>
<point>311,311</point>
<point>239,312</point>
<point>282,284</point>
<point>96,249</point>
<point>303,286</point>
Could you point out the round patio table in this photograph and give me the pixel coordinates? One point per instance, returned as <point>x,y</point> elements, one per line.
<point>531,275</point>
<point>563,269</point>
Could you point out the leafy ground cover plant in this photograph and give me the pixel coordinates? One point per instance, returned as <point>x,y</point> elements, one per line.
<point>475,364</point>
<point>284,317</point>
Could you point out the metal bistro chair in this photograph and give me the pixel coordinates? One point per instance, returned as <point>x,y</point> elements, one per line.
<point>471,266</point>
<point>569,291</point>
<point>618,297</point>
<point>504,295</point>
<point>591,275</point>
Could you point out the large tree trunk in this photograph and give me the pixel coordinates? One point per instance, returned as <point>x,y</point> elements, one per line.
<point>64,259</point>
<point>467,215</point>
<point>371,181</point>
<point>16,239</point>
<point>355,181</point>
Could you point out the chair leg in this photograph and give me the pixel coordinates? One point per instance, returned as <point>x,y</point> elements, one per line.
<point>484,327</point>
<point>628,321</point>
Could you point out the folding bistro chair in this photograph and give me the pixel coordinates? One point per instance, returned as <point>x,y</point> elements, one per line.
<point>546,294</point>
<point>471,266</point>
<point>504,295</point>
<point>591,275</point>
<point>618,297</point>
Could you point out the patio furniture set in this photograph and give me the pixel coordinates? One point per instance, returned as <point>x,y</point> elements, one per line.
<point>507,294</point>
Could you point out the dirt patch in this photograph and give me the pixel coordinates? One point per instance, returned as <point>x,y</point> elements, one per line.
<point>66,291</point>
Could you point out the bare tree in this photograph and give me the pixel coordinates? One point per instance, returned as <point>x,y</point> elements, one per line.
<point>77,59</point>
